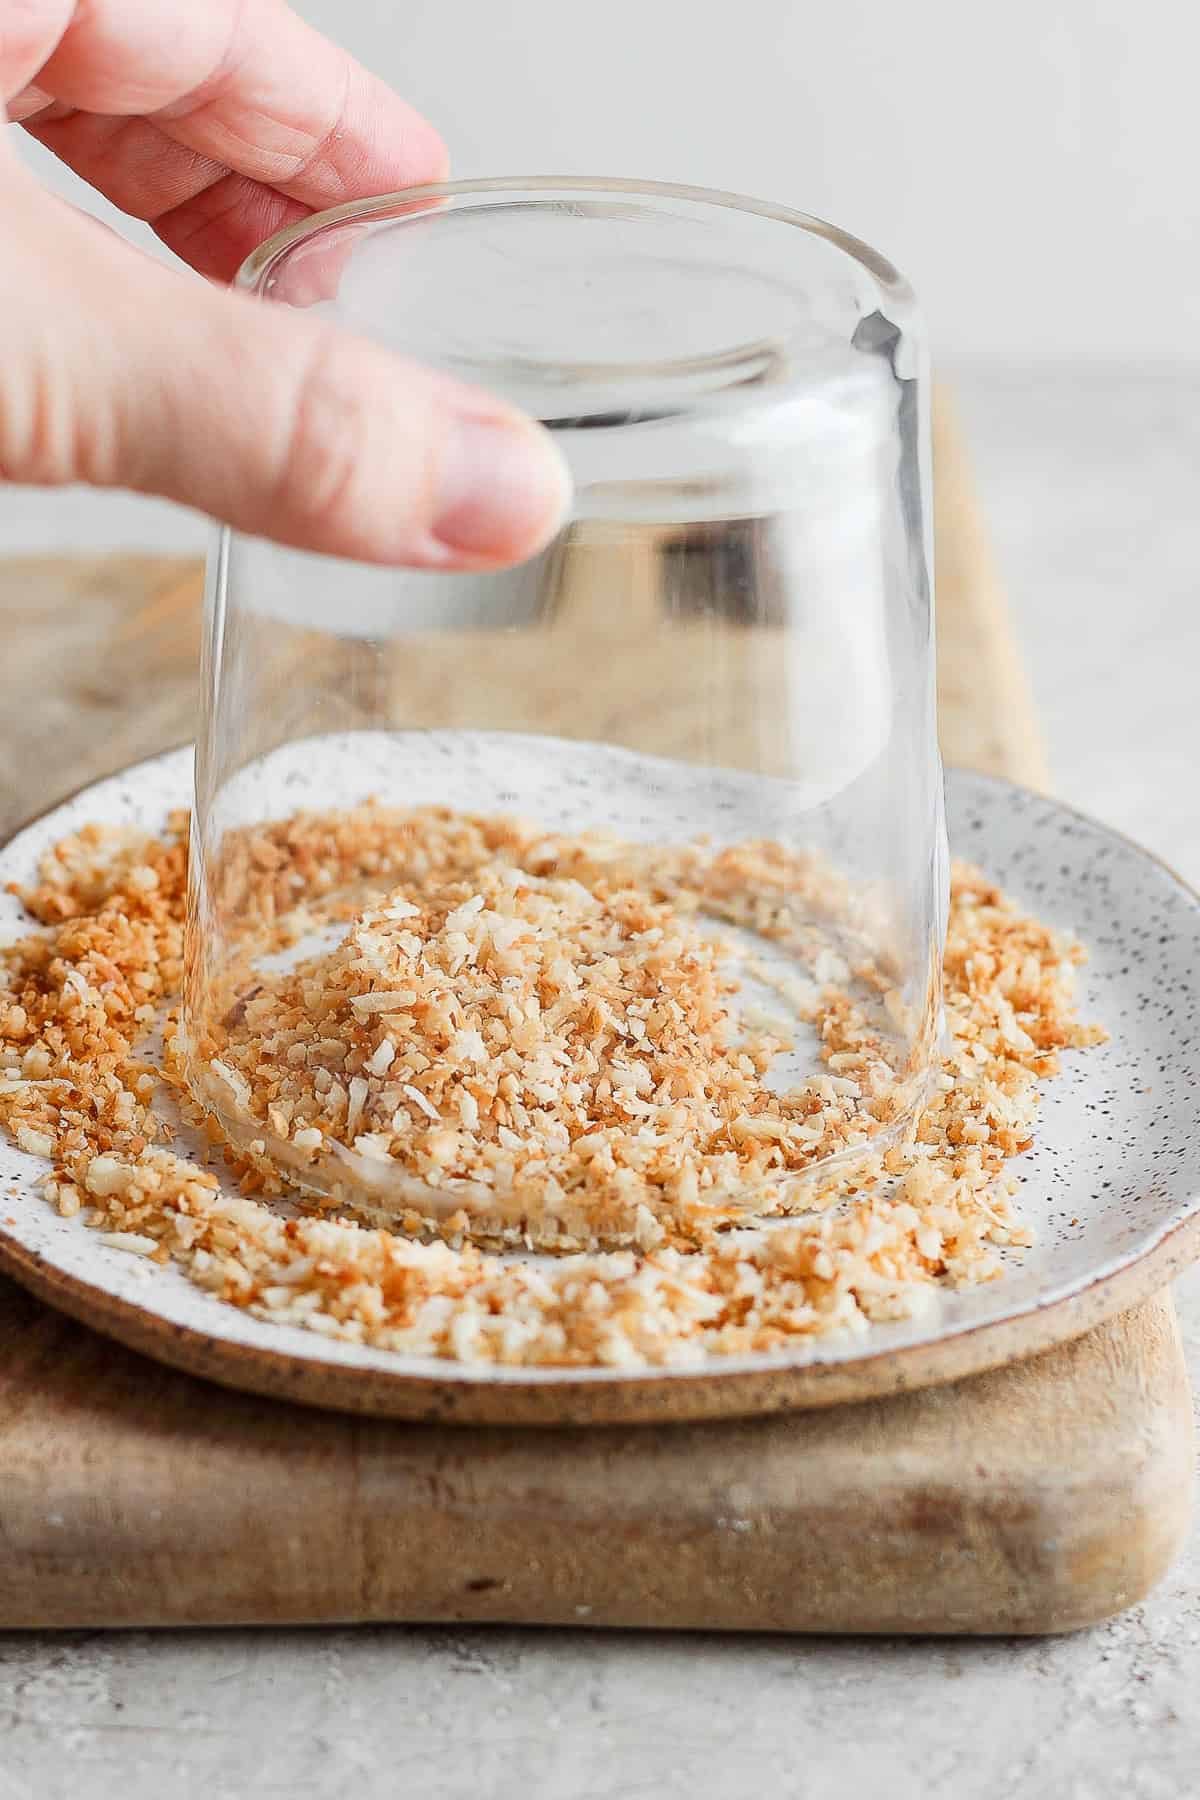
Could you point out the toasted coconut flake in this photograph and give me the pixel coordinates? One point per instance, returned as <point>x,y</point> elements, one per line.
<point>502,1005</point>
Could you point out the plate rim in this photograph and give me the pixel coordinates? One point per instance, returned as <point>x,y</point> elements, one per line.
<point>554,1396</point>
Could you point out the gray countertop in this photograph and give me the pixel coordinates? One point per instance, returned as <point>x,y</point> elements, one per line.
<point>1090,477</point>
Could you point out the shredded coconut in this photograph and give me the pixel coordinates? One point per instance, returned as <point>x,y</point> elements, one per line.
<point>890,1225</point>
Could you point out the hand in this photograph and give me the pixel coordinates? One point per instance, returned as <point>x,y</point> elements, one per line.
<point>219,123</point>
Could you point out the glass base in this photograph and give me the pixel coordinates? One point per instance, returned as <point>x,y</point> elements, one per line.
<point>641,1013</point>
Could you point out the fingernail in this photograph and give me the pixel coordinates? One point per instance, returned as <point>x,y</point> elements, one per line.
<point>503,491</point>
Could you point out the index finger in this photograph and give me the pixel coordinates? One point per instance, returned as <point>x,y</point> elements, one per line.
<point>247,84</point>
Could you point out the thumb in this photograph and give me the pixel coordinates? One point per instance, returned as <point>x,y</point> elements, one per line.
<point>125,373</point>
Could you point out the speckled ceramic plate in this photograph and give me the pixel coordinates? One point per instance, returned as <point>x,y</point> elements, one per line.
<point>1113,1183</point>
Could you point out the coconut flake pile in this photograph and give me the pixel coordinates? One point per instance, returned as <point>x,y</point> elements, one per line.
<point>541,1059</point>
<point>539,1030</point>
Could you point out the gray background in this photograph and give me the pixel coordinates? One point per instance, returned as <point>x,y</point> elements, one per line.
<point>1032,169</point>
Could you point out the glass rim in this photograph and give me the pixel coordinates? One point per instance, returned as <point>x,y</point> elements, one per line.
<point>251,275</point>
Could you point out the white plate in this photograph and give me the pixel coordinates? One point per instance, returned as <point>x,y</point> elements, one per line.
<point>1112,1185</point>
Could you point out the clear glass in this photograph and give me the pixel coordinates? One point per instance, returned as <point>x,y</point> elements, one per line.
<point>729,646</point>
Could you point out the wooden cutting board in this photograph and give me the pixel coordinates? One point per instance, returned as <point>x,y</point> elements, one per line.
<point>1036,1498</point>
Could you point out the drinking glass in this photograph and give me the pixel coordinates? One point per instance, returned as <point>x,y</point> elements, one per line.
<point>723,664</point>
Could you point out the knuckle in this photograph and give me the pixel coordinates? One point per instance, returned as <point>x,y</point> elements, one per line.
<point>49,433</point>
<point>59,421</point>
<point>321,468</point>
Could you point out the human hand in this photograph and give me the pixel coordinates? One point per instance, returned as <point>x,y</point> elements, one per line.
<point>219,124</point>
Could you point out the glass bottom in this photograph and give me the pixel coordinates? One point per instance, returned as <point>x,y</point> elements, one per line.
<point>646,1010</point>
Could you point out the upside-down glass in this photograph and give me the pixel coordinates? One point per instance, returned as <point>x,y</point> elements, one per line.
<point>731,638</point>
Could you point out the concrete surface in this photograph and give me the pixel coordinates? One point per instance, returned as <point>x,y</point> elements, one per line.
<point>1091,480</point>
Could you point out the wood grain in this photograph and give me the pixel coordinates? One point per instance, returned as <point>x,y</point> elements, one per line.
<point>1038,1497</point>
<point>984,699</point>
